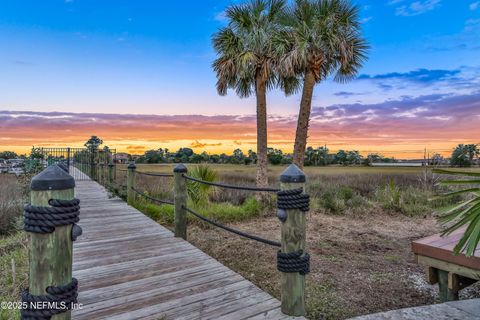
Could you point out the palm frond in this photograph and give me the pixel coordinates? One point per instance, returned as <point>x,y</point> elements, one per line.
<point>461,173</point>
<point>466,213</point>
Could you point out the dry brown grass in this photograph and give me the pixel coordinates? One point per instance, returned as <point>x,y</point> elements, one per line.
<point>359,265</point>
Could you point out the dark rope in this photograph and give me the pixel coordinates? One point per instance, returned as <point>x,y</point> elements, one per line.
<point>296,261</point>
<point>293,199</point>
<point>45,219</point>
<point>154,174</point>
<point>58,299</point>
<point>230,186</point>
<point>151,198</point>
<point>238,232</point>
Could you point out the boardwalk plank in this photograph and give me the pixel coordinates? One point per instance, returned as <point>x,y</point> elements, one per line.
<point>130,267</point>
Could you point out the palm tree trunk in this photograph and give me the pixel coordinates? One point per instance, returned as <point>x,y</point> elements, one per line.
<point>260,90</point>
<point>303,119</point>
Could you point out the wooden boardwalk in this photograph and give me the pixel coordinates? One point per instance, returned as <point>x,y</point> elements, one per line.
<point>130,267</point>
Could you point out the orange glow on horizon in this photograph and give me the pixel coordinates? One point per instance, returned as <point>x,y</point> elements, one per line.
<point>402,138</point>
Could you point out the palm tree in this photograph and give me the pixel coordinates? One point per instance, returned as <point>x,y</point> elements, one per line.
<point>246,63</point>
<point>319,38</point>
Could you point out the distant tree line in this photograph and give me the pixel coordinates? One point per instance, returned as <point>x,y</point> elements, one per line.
<point>313,157</point>
<point>465,155</point>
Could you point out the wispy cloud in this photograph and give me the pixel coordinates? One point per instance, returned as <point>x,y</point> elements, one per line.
<point>366,19</point>
<point>474,5</point>
<point>419,75</point>
<point>416,8</point>
<point>220,16</point>
<point>22,63</point>
<point>197,144</point>
<point>348,94</point>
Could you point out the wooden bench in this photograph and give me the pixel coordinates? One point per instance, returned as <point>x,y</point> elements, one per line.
<point>451,272</point>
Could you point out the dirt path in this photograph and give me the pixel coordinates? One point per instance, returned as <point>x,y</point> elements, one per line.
<point>359,265</point>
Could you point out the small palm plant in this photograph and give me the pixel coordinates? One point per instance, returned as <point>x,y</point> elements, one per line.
<point>199,192</point>
<point>467,213</point>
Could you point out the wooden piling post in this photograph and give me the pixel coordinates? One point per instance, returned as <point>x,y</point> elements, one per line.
<point>131,183</point>
<point>180,199</point>
<point>446,292</point>
<point>51,253</point>
<point>293,231</point>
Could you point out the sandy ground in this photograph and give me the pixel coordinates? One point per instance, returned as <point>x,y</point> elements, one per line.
<point>360,265</point>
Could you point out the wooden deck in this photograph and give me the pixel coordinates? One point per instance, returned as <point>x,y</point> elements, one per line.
<point>130,267</point>
<point>441,248</point>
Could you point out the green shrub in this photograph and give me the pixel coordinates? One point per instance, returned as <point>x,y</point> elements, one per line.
<point>332,202</point>
<point>389,196</point>
<point>409,201</point>
<point>225,211</point>
<point>222,212</point>
<point>199,192</point>
<point>160,213</point>
<point>346,193</point>
<point>342,199</point>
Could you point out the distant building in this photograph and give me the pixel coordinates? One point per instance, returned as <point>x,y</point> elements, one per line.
<point>400,163</point>
<point>121,157</point>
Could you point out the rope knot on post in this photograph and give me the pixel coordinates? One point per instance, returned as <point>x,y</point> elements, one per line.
<point>296,261</point>
<point>293,199</point>
<point>39,219</point>
<point>58,299</point>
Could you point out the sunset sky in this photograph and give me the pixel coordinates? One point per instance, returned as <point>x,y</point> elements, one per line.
<point>138,74</point>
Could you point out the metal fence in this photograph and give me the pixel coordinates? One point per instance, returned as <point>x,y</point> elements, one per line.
<point>82,163</point>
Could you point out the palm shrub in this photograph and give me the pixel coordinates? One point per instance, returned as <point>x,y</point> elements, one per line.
<point>200,192</point>
<point>466,213</point>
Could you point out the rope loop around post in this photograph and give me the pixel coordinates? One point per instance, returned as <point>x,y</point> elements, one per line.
<point>58,299</point>
<point>296,261</point>
<point>61,213</point>
<point>293,199</point>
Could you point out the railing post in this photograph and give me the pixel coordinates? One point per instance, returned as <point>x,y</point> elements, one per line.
<point>68,159</point>
<point>293,239</point>
<point>131,182</point>
<point>101,173</point>
<point>93,174</point>
<point>180,199</point>
<point>51,253</point>
<point>111,167</point>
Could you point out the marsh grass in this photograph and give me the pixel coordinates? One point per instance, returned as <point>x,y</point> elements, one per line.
<point>333,190</point>
<point>11,202</point>
<point>13,250</point>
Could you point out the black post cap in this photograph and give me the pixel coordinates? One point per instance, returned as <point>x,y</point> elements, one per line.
<point>132,165</point>
<point>180,168</point>
<point>52,178</point>
<point>293,174</point>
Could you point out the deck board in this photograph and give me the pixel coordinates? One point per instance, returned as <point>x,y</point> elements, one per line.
<point>130,267</point>
<point>441,248</point>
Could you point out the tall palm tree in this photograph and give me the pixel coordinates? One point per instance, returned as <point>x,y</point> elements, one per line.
<point>246,62</point>
<point>319,38</point>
